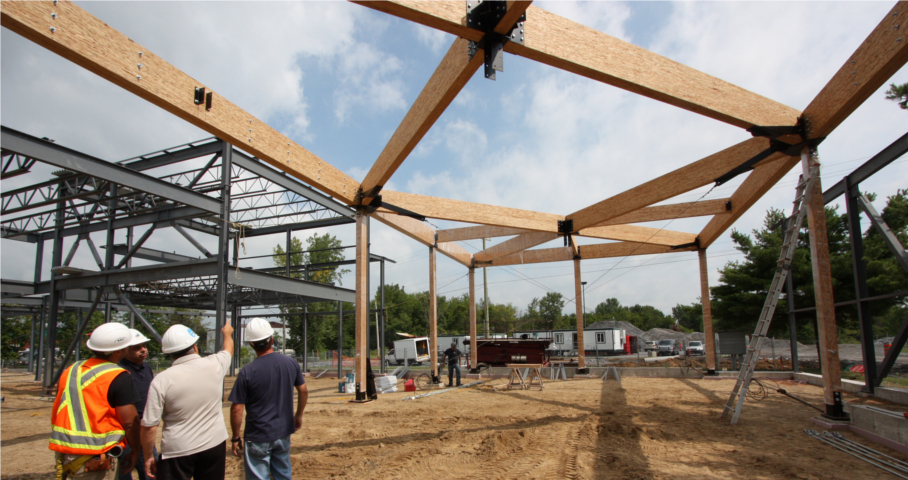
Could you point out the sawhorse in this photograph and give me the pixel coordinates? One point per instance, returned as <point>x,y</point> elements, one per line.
<point>611,369</point>
<point>530,379</point>
<point>557,370</point>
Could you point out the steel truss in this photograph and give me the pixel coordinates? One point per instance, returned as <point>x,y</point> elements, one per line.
<point>185,188</point>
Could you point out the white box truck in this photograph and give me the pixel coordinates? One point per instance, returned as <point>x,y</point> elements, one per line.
<point>414,350</point>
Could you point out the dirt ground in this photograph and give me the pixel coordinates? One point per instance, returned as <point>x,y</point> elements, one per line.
<point>640,428</point>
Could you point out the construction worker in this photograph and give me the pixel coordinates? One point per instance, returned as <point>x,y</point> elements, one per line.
<point>264,389</point>
<point>187,397</point>
<point>134,363</point>
<point>453,355</point>
<point>94,410</point>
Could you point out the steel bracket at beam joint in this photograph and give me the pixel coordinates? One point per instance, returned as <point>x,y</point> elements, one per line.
<point>695,243</point>
<point>377,202</point>
<point>484,16</point>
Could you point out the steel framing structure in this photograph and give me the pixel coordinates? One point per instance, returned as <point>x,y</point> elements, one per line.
<point>93,195</point>
<point>783,137</point>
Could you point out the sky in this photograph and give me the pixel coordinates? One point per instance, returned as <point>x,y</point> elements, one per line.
<point>337,78</point>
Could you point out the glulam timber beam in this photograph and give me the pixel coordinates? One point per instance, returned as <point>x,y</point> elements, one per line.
<point>450,77</point>
<point>514,245</point>
<point>469,212</point>
<point>90,43</point>
<point>478,232</point>
<point>634,233</point>
<point>586,252</point>
<point>687,178</point>
<point>570,46</point>
<point>425,235</point>
<point>658,213</point>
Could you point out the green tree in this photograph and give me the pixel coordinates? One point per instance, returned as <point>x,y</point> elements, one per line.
<point>14,336</point>
<point>550,307</point>
<point>898,94</point>
<point>319,250</point>
<point>738,299</point>
<point>689,317</point>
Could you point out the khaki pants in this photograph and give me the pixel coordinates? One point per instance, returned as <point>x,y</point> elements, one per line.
<point>81,474</point>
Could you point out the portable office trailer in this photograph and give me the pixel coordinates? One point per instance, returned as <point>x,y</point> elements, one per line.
<point>605,341</point>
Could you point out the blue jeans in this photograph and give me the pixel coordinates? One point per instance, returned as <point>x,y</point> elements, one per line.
<point>140,465</point>
<point>452,367</point>
<point>268,459</point>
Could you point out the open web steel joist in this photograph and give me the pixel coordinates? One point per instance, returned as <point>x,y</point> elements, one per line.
<point>484,31</point>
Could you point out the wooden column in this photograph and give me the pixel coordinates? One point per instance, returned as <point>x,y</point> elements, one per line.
<point>709,337</point>
<point>822,280</point>
<point>361,354</point>
<point>433,314</point>
<point>578,299</point>
<point>473,339</point>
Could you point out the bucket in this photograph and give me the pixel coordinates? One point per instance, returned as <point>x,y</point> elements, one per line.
<point>340,387</point>
<point>350,387</point>
<point>886,347</point>
<point>350,378</point>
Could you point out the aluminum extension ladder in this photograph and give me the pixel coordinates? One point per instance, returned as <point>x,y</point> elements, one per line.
<point>736,399</point>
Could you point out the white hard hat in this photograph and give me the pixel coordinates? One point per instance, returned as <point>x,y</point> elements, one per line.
<point>109,337</point>
<point>178,337</point>
<point>137,337</point>
<point>258,329</point>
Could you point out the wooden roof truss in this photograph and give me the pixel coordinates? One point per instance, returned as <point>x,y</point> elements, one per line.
<point>74,34</point>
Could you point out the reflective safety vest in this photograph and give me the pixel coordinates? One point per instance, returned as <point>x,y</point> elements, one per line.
<point>84,423</point>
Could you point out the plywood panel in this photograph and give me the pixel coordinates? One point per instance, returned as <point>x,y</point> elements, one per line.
<point>476,233</point>
<point>461,211</point>
<point>516,244</point>
<point>695,175</point>
<point>633,233</point>
<point>90,43</point>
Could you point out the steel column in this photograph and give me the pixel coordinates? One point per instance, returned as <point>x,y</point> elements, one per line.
<point>223,245</point>
<point>80,330</point>
<point>31,345</point>
<point>132,317</point>
<point>861,291</point>
<point>305,337</point>
<point>39,367</point>
<point>56,261</point>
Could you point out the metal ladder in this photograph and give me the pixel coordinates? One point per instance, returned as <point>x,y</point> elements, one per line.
<point>789,243</point>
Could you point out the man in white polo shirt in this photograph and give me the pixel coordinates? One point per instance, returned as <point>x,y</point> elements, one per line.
<point>187,397</point>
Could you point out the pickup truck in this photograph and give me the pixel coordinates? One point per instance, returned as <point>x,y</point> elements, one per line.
<point>668,347</point>
<point>695,348</point>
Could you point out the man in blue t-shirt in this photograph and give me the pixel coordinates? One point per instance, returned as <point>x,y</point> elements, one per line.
<point>264,389</point>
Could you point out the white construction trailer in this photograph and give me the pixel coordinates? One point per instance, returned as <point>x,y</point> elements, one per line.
<point>605,341</point>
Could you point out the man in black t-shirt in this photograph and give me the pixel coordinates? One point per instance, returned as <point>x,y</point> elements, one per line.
<point>134,363</point>
<point>264,389</point>
<point>452,355</point>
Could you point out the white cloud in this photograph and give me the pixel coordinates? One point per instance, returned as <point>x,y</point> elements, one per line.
<point>366,80</point>
<point>435,39</point>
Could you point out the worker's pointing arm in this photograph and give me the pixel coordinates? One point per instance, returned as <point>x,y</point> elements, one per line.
<point>228,338</point>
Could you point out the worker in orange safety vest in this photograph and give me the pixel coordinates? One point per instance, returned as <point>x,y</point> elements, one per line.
<point>94,411</point>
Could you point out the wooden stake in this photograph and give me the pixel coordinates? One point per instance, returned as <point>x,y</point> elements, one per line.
<point>578,292</point>
<point>710,338</point>
<point>361,355</point>
<point>473,347</point>
<point>822,281</point>
<point>433,314</point>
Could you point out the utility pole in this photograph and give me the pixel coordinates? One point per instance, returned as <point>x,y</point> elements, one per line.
<point>485,288</point>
